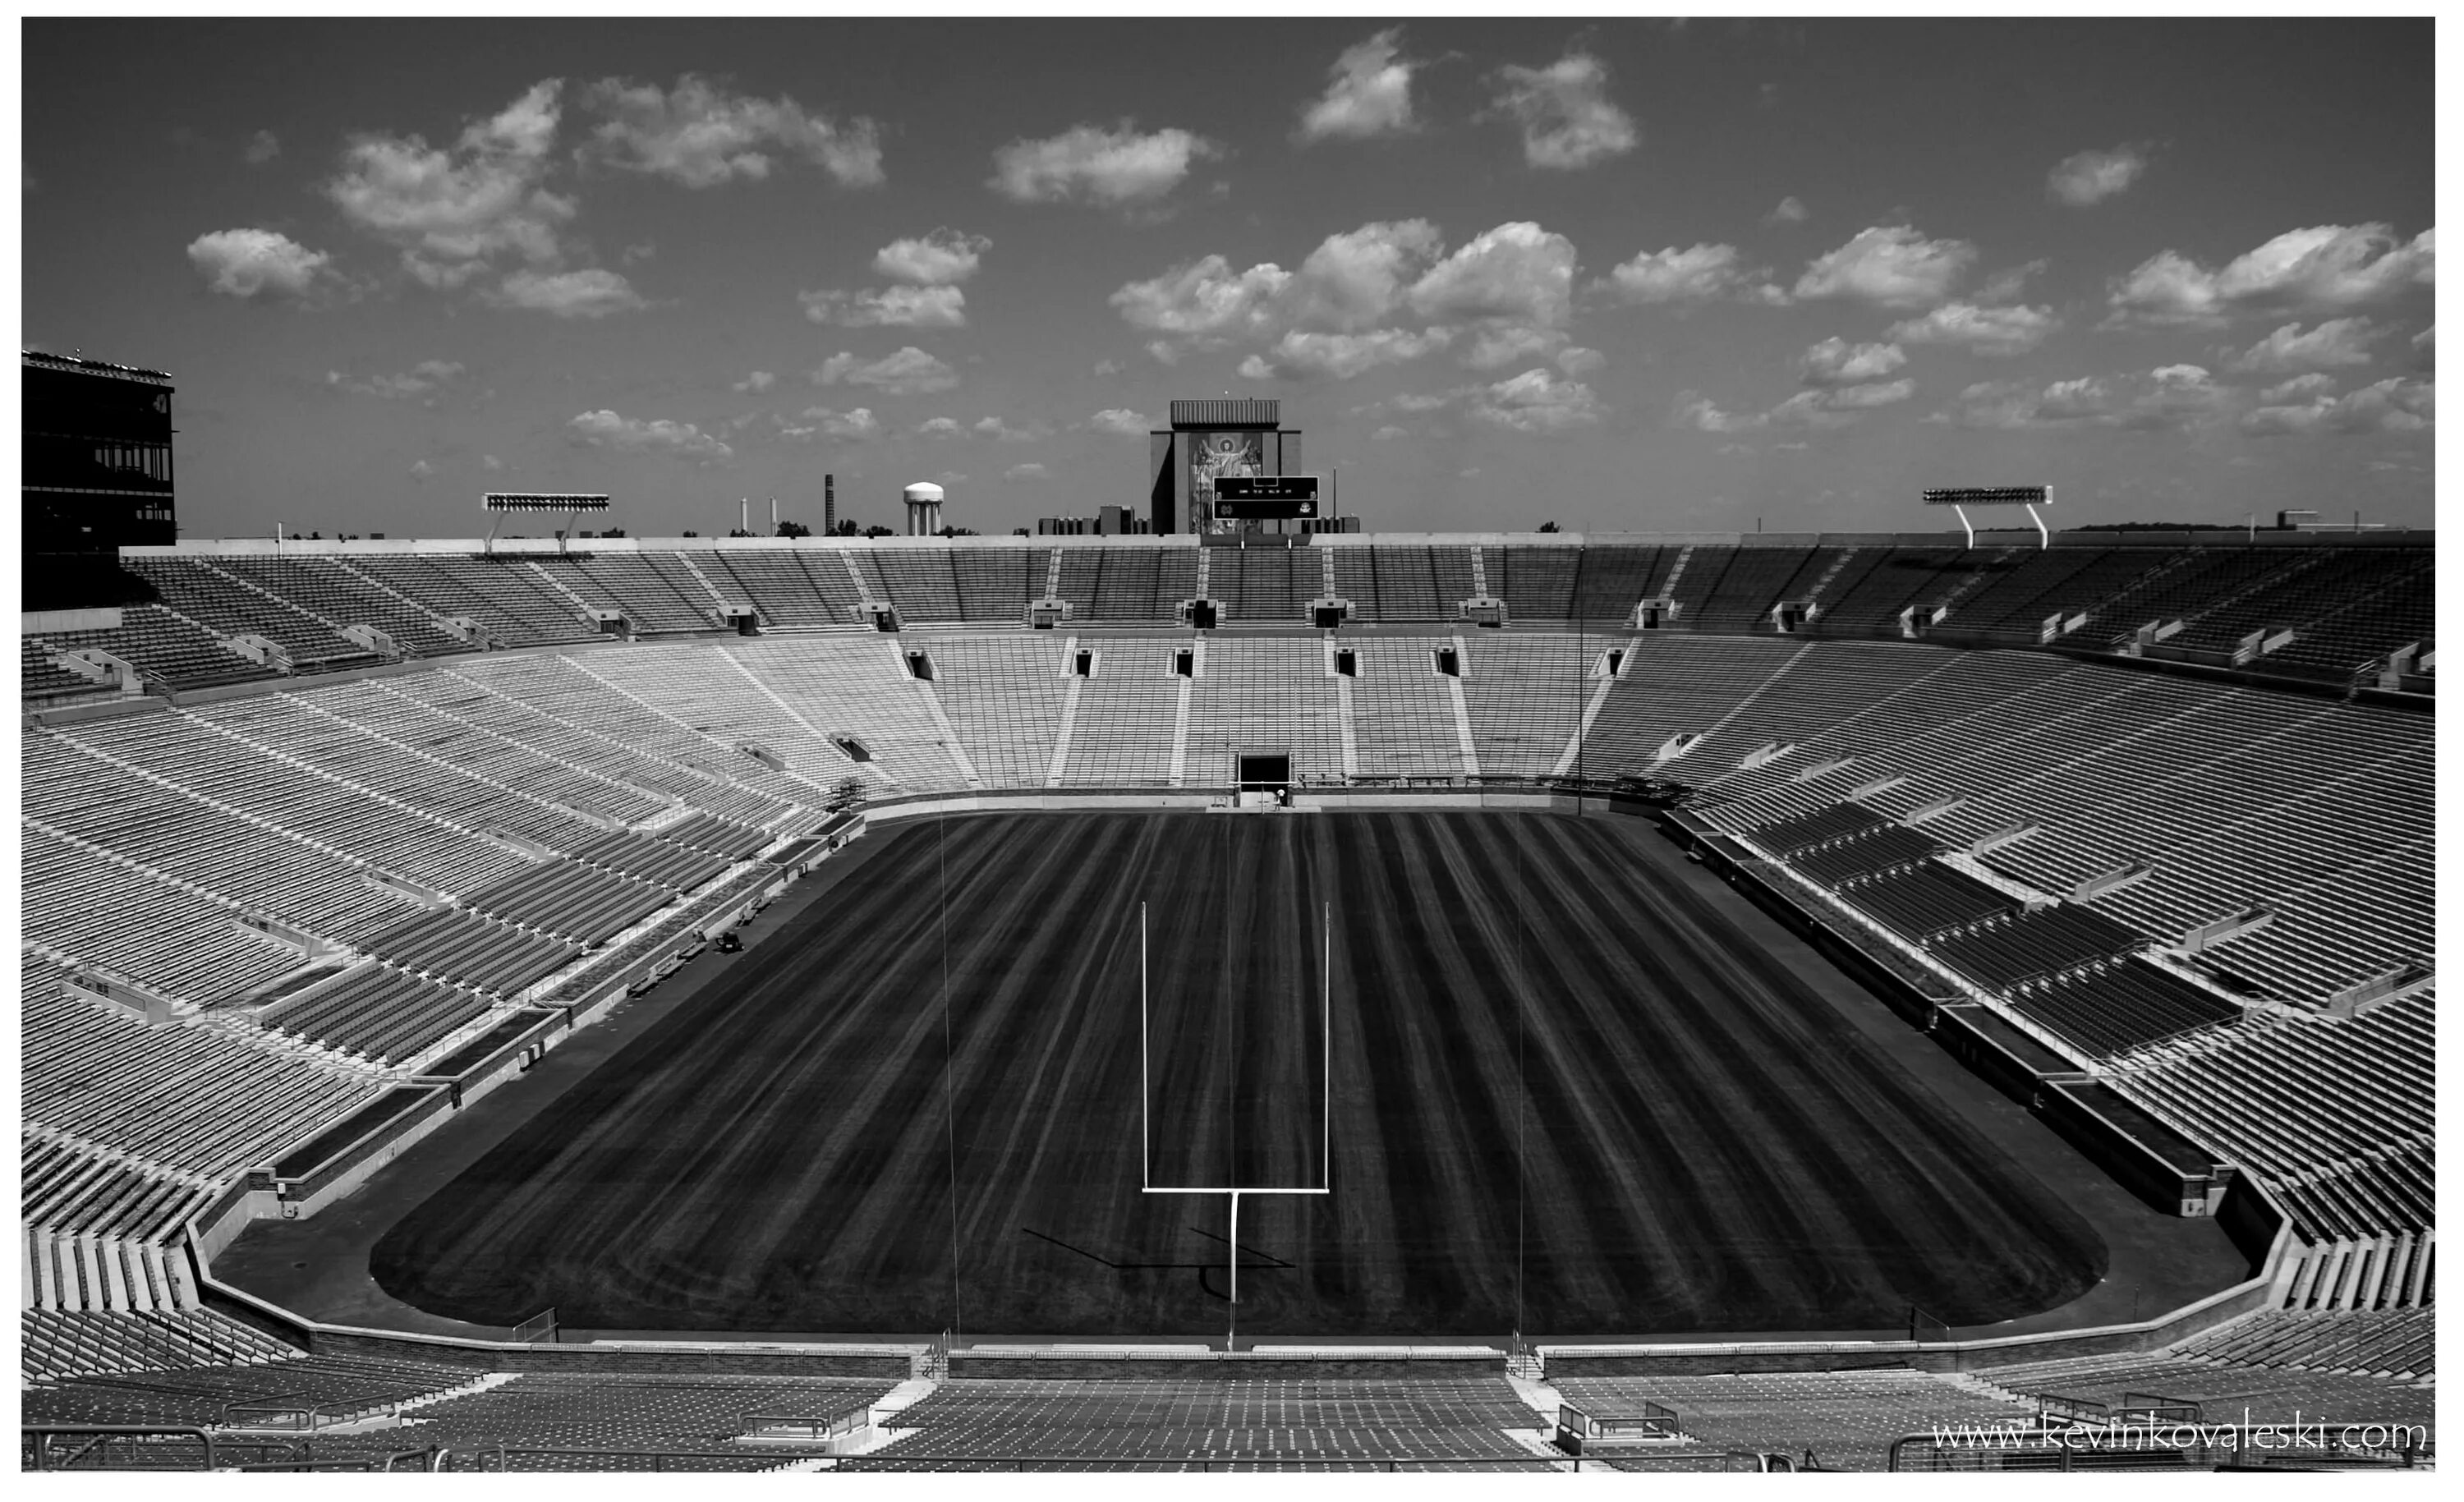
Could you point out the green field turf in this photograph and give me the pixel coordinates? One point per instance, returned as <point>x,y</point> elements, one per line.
<point>1569,1097</point>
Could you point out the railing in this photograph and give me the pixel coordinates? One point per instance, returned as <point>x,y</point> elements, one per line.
<point>136,1447</point>
<point>809,1428</point>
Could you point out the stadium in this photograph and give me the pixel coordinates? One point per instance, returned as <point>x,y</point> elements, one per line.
<point>1769,993</point>
<point>751,805</point>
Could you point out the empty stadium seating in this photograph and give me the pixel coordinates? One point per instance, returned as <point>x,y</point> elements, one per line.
<point>490,829</point>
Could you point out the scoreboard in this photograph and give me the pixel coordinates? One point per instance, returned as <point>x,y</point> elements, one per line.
<point>1265,497</point>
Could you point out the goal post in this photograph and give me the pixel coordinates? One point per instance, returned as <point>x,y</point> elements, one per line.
<point>1325,1112</point>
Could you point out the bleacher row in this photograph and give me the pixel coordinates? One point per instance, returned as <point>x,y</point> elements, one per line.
<point>196,1368</point>
<point>2345,606</point>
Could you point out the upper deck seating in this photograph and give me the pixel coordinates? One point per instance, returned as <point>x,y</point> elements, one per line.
<point>214,598</point>
<point>164,647</point>
<point>333,590</point>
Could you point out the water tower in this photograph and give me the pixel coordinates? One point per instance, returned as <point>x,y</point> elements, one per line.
<point>923,510</point>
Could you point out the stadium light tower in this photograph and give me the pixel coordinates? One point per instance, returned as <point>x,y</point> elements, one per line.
<point>498,502</point>
<point>1961,497</point>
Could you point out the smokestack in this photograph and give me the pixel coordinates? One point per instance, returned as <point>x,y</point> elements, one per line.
<point>744,513</point>
<point>774,516</point>
<point>830,505</point>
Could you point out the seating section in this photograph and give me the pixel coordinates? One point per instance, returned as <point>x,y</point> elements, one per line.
<point>1844,1419</point>
<point>331,1389</point>
<point>2035,945</point>
<point>1927,901</point>
<point>55,1344</point>
<point>2400,1343</point>
<point>162,647</point>
<point>1357,1419</point>
<point>518,604</point>
<point>194,1099</point>
<point>221,603</point>
<point>2223,1392</point>
<point>1124,732</point>
<point>1270,694</point>
<point>378,1011</point>
<point>2123,1007</point>
<point>336,592</point>
<point>41,679</point>
<point>2337,1117</point>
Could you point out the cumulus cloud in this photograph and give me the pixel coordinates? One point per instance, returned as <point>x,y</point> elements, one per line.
<point>492,464</point>
<point>1822,409</point>
<point>1697,411</point>
<point>855,424</point>
<point>2167,397</point>
<point>2327,269</point>
<point>1204,301</point>
<point>421,470</point>
<point>1890,266</point>
<point>420,381</point>
<point>1564,109</point>
<point>2398,405</point>
<point>1024,471</point>
<point>453,210</point>
<point>2332,345</point>
<point>1389,433</point>
<point>759,381</point>
<point>262,148</point>
<point>2426,345</point>
<point>1091,164</point>
<point>568,295</point>
<point>995,427</point>
<point>1980,330</point>
<point>889,307</point>
<point>2299,388</point>
<point>1836,362</point>
<point>1514,284</point>
<point>1367,93</point>
<point>939,427</point>
<point>1341,356</point>
<point>1346,309</point>
<point>1357,280</point>
<point>258,263</point>
<point>2091,177</point>
<point>1702,273</point>
<point>1580,361</point>
<point>1537,401</point>
<point>942,258</point>
<point>1791,210</point>
<point>1121,423</point>
<point>909,372</point>
<point>701,135</point>
<point>605,430</point>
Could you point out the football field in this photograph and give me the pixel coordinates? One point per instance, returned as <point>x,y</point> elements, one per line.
<point>1566,1095</point>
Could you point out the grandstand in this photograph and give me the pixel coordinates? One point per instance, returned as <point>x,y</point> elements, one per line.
<point>364,831</point>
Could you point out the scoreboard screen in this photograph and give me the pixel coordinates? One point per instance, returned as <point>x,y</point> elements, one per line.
<point>1265,497</point>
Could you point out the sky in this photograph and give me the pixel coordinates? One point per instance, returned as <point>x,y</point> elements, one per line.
<point>1633,275</point>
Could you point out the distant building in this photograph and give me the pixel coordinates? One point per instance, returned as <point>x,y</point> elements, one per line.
<point>1108,521</point>
<point>1228,435</point>
<point>98,455</point>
